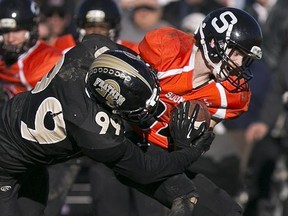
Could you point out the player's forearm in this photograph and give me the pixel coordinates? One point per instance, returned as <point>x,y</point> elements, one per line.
<point>146,167</point>
<point>129,160</point>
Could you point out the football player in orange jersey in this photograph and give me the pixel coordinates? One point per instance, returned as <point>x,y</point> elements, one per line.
<point>24,59</point>
<point>213,67</point>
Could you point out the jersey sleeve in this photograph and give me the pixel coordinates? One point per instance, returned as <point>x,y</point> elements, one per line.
<point>170,51</point>
<point>166,48</point>
<point>99,139</point>
<point>221,103</point>
<point>147,168</point>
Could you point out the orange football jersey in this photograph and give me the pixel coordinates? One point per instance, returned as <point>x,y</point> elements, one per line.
<point>64,43</point>
<point>30,68</point>
<point>172,53</point>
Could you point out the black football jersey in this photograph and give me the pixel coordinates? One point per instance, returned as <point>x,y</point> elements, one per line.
<point>44,124</point>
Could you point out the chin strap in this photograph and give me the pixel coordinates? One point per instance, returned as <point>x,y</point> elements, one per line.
<point>216,67</point>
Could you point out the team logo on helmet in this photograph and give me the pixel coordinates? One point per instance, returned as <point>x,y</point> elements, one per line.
<point>110,90</point>
<point>95,16</point>
<point>8,23</point>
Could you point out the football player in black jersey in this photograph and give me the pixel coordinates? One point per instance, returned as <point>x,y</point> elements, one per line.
<point>75,110</point>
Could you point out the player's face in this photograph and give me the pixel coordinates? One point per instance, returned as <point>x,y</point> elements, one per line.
<point>15,38</point>
<point>236,57</point>
<point>98,28</point>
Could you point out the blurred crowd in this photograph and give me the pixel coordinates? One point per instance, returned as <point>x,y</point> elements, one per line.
<point>249,155</point>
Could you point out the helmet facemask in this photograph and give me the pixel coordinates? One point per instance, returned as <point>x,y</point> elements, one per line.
<point>237,76</point>
<point>110,31</point>
<point>142,114</point>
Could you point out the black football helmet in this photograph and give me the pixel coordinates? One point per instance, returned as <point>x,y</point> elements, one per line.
<point>230,29</point>
<point>125,84</point>
<point>91,12</point>
<point>18,15</point>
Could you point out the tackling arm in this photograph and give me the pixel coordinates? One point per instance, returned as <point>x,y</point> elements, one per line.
<point>129,160</point>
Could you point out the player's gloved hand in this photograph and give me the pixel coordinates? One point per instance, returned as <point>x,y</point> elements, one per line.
<point>182,125</point>
<point>203,142</point>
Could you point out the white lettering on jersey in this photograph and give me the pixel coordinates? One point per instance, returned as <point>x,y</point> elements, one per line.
<point>175,98</point>
<point>103,120</point>
<point>41,134</point>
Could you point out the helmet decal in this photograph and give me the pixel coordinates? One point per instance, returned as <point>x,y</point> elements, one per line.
<point>95,16</point>
<point>110,90</point>
<point>8,23</point>
<point>114,65</point>
<point>225,23</point>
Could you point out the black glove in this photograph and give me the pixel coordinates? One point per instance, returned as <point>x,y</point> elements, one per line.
<point>181,125</point>
<point>203,143</point>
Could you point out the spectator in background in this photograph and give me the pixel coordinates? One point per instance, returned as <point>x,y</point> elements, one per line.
<point>56,27</point>
<point>139,17</point>
<point>175,11</point>
<point>24,59</point>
